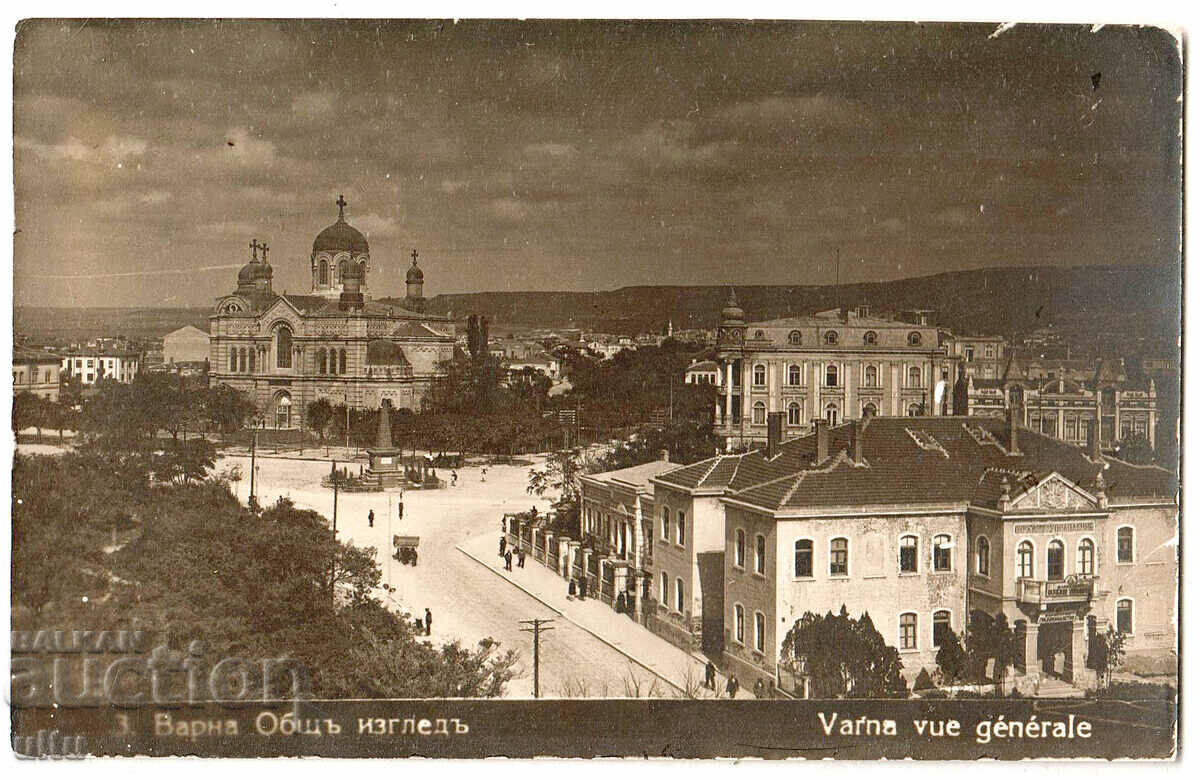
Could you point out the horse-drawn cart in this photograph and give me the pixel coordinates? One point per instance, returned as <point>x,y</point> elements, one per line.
<point>405,548</point>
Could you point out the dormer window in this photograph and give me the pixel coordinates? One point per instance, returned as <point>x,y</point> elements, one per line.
<point>870,338</point>
<point>758,334</point>
<point>831,337</point>
<point>794,338</point>
<point>914,339</point>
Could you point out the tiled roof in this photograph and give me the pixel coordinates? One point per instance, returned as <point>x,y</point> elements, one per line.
<point>703,365</point>
<point>26,355</point>
<point>926,461</point>
<point>639,475</point>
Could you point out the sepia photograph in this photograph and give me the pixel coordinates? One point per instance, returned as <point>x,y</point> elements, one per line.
<point>611,388</point>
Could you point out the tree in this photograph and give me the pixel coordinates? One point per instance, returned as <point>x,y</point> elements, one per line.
<point>186,461</point>
<point>29,411</point>
<point>228,409</point>
<point>1136,449</point>
<point>1108,653</point>
<point>951,658</point>
<point>319,415</point>
<point>843,657</point>
<point>989,638</point>
<point>561,474</point>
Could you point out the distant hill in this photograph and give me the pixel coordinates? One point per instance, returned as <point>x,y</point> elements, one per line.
<point>1109,307</point>
<point>1087,302</point>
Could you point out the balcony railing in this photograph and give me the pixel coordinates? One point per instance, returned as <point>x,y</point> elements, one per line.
<point>1072,589</point>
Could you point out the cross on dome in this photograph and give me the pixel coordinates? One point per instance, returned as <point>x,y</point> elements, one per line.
<point>414,256</point>
<point>341,204</point>
<point>254,247</point>
<point>264,249</point>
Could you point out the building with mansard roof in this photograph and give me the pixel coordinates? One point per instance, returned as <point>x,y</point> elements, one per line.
<point>335,342</point>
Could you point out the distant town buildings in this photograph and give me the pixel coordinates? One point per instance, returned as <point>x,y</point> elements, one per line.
<point>185,345</point>
<point>703,372</point>
<point>91,366</point>
<point>334,343</point>
<point>983,357</point>
<point>36,371</point>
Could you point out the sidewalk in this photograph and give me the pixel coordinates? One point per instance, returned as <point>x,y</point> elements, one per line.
<point>683,670</point>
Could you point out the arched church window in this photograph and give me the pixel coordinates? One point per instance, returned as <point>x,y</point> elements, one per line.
<point>323,273</point>
<point>320,361</point>
<point>283,348</point>
<point>242,360</point>
<point>283,411</point>
<point>342,362</point>
<point>251,359</point>
<point>341,271</point>
<point>233,361</point>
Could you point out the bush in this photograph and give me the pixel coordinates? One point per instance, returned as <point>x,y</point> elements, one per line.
<point>1137,691</point>
<point>923,682</point>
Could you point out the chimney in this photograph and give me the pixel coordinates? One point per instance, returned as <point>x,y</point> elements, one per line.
<point>822,430</point>
<point>1093,440</point>
<point>858,429</point>
<point>1015,413</point>
<point>774,433</point>
<point>664,455</point>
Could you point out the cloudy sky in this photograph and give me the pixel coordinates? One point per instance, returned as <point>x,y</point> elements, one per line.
<point>521,156</point>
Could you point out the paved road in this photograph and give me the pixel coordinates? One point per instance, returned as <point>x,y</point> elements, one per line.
<point>468,602</point>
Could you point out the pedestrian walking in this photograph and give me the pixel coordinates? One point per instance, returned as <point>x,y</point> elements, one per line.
<point>503,544</point>
<point>371,519</point>
<point>731,687</point>
<point>508,561</point>
<point>521,558</point>
<point>429,623</point>
<point>583,587</point>
<point>710,676</point>
<point>760,688</point>
<point>453,478</point>
<point>483,474</point>
<point>400,509</point>
<point>571,589</point>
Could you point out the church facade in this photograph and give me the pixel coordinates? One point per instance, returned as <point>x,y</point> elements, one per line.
<point>333,343</point>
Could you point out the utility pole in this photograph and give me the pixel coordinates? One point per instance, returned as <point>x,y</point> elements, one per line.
<point>253,443</point>
<point>538,626</point>
<point>333,477</point>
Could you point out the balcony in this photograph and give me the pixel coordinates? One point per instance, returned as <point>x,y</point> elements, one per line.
<point>1068,591</point>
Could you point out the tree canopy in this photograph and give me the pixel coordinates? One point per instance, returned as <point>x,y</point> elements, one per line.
<point>843,657</point>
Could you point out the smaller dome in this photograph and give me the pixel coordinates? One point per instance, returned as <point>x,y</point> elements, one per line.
<point>414,274</point>
<point>732,313</point>
<point>253,271</point>
<point>340,236</point>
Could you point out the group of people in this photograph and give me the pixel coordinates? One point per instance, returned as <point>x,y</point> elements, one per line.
<point>507,555</point>
<point>732,686</point>
<point>399,512</point>
<point>427,625</point>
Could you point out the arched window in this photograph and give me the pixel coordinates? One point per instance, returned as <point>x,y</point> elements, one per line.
<point>678,594</point>
<point>1085,561</point>
<point>251,358</point>
<point>914,410</point>
<point>839,557</point>
<point>323,274</point>
<point>908,554</point>
<point>666,525</point>
<point>831,337</point>
<point>793,411</point>
<point>760,375</point>
<point>914,339</point>
<point>1025,560</point>
<point>1125,544</point>
<point>1054,560</point>
<point>739,624</point>
<point>942,547</point>
<point>983,556</point>
<point>283,411</point>
<point>870,337</point>
<point>914,376</point>
<point>341,271</point>
<point>342,361</point>
<point>362,267</point>
<point>941,626</point>
<point>831,375</point>
<point>758,334</point>
<point>739,549</point>
<point>794,338</point>
<point>869,410</point>
<point>681,528</point>
<point>794,375</point>
<point>760,631</point>
<point>871,376</point>
<point>1124,616</point>
<point>803,563</point>
<point>760,554</point>
<point>321,364</point>
<point>233,361</point>
<point>831,414</point>
<point>760,413</point>
<point>908,631</point>
<point>283,347</point>
<point>242,360</point>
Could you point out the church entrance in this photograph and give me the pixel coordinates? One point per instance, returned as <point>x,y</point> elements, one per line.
<point>1054,648</point>
<point>283,410</point>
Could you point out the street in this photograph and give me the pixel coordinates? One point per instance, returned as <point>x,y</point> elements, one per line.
<point>468,602</point>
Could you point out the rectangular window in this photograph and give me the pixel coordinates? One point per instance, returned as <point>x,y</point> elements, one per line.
<point>908,631</point>
<point>804,558</point>
<point>908,555</point>
<point>760,631</point>
<point>678,595</point>
<point>1125,616</point>
<point>1125,545</point>
<point>839,557</point>
<point>680,533</point>
<point>760,554</point>
<point>666,524</point>
<point>941,552</point>
<point>663,593</point>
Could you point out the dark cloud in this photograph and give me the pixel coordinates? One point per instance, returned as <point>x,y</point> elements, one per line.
<point>586,155</point>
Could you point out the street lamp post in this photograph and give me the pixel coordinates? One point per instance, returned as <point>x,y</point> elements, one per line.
<point>333,477</point>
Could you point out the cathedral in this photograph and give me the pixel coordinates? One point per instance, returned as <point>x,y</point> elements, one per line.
<point>287,351</point>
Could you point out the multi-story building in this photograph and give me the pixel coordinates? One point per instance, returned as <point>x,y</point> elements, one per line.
<point>92,366</point>
<point>1062,401</point>
<point>832,366</point>
<point>920,522</point>
<point>703,372</point>
<point>289,350</point>
<point>36,371</point>
<point>983,357</point>
<point>185,345</point>
<point>616,516</point>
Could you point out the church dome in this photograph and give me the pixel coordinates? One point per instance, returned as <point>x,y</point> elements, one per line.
<point>341,236</point>
<point>414,274</point>
<point>732,313</point>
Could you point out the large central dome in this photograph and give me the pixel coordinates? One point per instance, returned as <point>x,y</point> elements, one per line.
<point>341,236</point>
